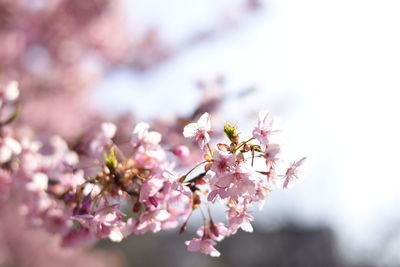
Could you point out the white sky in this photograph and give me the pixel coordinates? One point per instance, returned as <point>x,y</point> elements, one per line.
<point>329,69</point>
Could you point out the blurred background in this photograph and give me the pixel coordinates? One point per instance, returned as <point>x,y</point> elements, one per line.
<point>328,69</point>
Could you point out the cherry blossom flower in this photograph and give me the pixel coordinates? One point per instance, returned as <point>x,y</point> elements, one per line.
<point>271,154</point>
<point>10,92</point>
<point>205,246</point>
<point>292,172</point>
<point>150,158</point>
<point>105,221</point>
<point>78,237</point>
<point>182,152</point>
<point>103,138</point>
<point>143,137</point>
<point>61,155</point>
<point>241,182</point>
<point>39,182</point>
<point>150,188</point>
<point>216,231</point>
<point>223,162</point>
<point>8,147</point>
<point>175,213</point>
<point>238,217</point>
<point>151,221</point>
<point>56,220</point>
<point>200,131</point>
<point>264,128</point>
<point>68,179</point>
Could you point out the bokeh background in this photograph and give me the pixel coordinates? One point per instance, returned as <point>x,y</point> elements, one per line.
<point>328,69</point>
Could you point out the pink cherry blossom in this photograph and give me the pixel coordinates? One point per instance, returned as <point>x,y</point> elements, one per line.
<point>200,130</point>
<point>238,217</point>
<point>143,137</point>
<point>216,231</point>
<point>182,152</point>
<point>103,138</point>
<point>9,93</point>
<point>150,158</point>
<point>56,220</point>
<point>150,188</point>
<point>205,246</point>
<point>38,183</point>
<point>9,147</point>
<point>264,128</point>
<point>292,172</point>
<point>79,237</point>
<point>240,182</point>
<point>271,154</point>
<point>175,213</point>
<point>105,221</point>
<point>223,162</point>
<point>151,220</point>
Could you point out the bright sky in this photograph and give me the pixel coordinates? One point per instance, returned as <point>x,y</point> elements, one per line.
<point>329,69</point>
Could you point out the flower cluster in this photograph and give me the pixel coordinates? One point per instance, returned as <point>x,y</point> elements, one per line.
<point>138,189</point>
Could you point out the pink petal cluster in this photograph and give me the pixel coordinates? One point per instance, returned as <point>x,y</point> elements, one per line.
<point>292,172</point>
<point>264,128</point>
<point>209,235</point>
<point>53,190</point>
<point>205,246</point>
<point>102,139</point>
<point>199,131</point>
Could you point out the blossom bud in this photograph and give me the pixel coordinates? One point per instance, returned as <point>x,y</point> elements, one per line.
<point>182,152</point>
<point>153,201</point>
<point>231,132</point>
<point>111,160</point>
<point>136,207</point>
